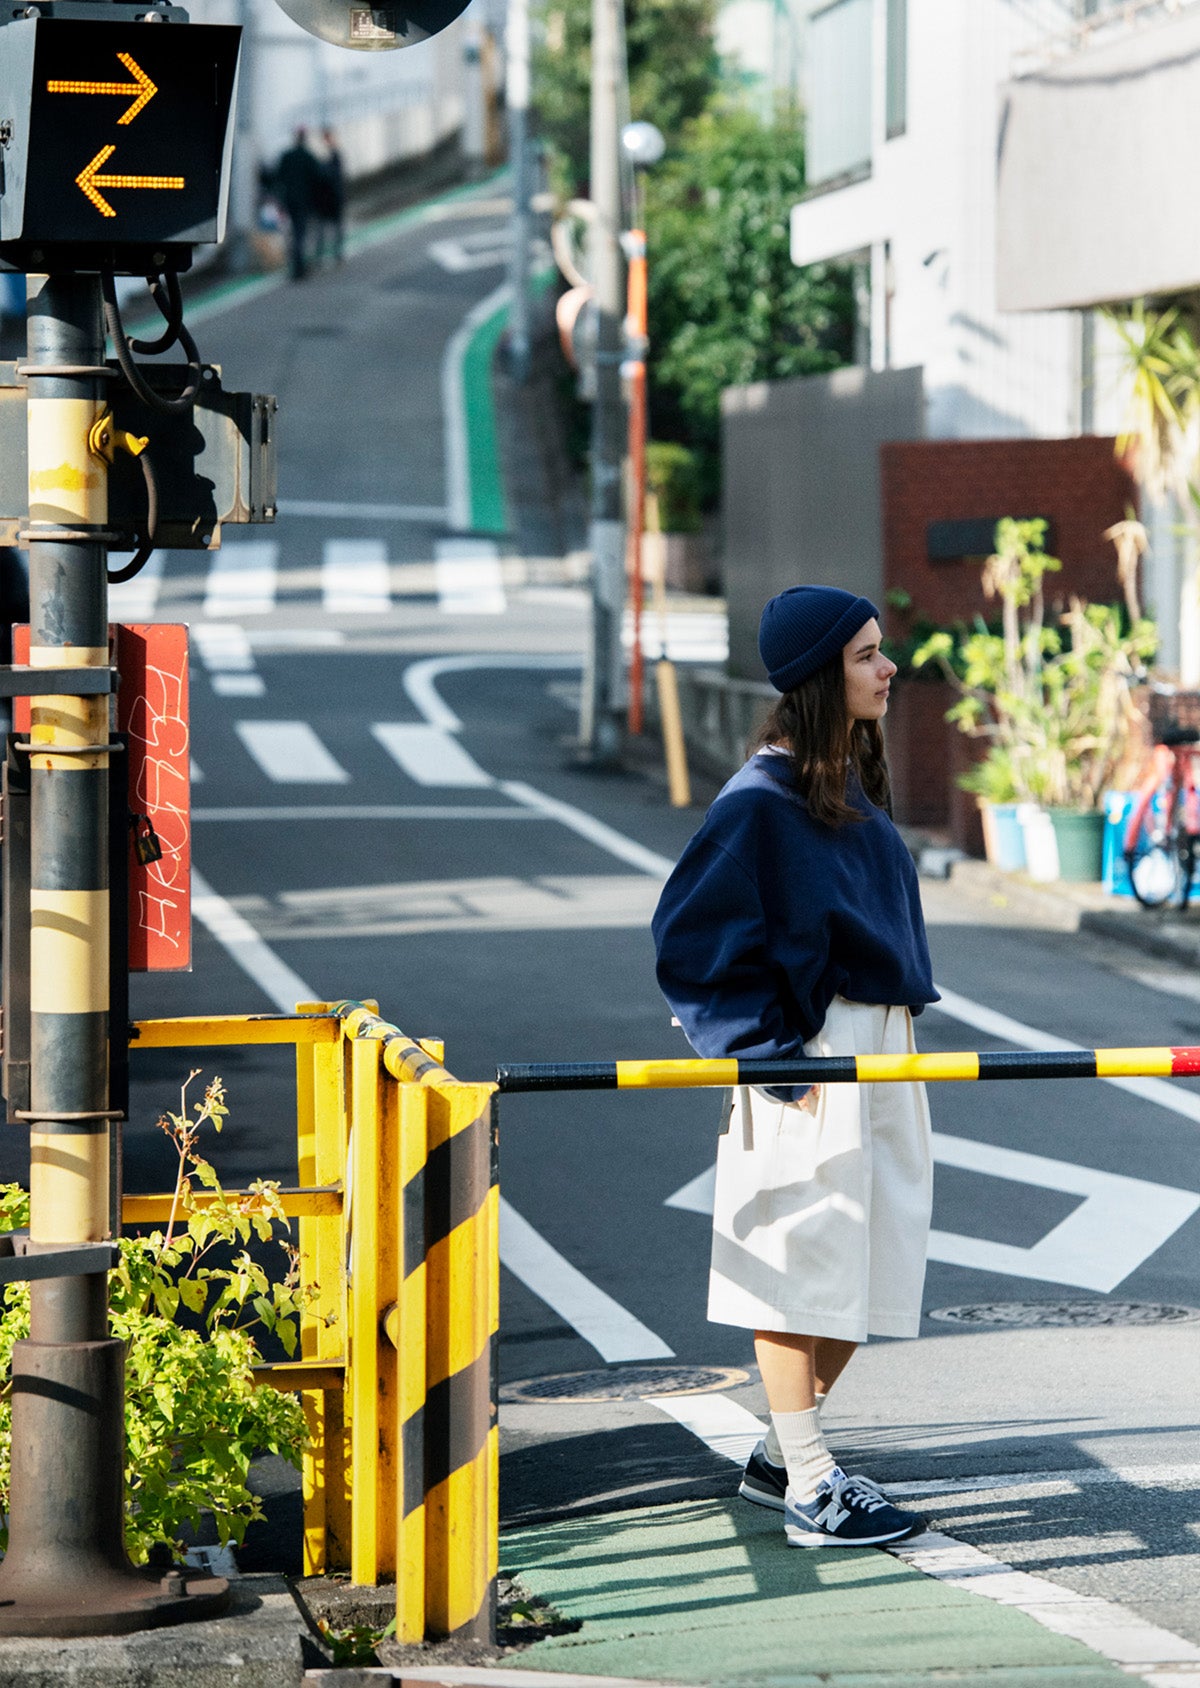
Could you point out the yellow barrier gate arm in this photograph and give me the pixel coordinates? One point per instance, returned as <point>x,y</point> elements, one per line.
<point>852,1069</point>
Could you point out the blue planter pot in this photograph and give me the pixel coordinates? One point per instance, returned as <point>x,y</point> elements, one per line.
<point>1010,839</point>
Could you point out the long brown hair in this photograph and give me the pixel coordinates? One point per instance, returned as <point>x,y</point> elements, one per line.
<point>812,721</point>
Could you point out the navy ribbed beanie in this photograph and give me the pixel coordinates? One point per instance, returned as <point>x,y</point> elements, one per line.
<point>802,628</point>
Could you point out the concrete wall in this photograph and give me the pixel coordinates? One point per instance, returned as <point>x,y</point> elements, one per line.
<point>801,495</point>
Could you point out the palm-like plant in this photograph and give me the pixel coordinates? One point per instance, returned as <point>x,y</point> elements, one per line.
<point>1162,420</point>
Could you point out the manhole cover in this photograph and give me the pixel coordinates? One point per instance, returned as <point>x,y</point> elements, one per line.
<point>624,1383</point>
<point>1060,1313</point>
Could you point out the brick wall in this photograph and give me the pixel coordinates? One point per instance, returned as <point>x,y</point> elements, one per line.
<point>1078,484</point>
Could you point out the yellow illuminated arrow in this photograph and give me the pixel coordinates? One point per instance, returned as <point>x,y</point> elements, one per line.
<point>91,183</point>
<point>141,86</point>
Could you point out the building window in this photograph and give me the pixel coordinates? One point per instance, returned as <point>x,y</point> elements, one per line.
<point>897,68</point>
<point>838,77</point>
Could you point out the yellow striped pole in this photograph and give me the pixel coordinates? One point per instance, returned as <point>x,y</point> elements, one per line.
<point>951,1067</point>
<point>447,1305</point>
<point>321,1145</point>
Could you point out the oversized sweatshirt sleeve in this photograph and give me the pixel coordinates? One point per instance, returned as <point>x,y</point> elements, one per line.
<point>714,966</point>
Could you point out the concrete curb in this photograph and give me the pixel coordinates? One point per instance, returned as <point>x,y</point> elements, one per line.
<point>469,1676</point>
<point>258,1644</point>
<point>1171,934</point>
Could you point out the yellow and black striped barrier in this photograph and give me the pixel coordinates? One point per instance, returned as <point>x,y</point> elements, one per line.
<point>398,1207</point>
<point>852,1069</point>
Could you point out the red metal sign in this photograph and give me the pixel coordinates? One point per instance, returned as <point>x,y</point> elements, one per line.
<point>152,711</point>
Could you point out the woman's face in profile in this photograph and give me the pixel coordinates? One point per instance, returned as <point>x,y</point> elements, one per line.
<point>868,674</point>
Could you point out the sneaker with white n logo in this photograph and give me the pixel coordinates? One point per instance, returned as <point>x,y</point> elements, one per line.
<point>847,1512</point>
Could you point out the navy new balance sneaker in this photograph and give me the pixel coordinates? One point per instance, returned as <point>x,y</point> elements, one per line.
<point>847,1512</point>
<point>763,1483</point>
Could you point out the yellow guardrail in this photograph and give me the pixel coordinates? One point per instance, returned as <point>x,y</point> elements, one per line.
<point>398,1208</point>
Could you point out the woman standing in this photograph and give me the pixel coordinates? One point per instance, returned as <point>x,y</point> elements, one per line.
<point>792,925</point>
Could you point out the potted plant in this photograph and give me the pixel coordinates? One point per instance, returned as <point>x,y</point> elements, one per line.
<point>1054,699</point>
<point>1000,808</point>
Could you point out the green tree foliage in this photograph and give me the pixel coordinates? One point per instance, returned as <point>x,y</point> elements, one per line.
<point>190,1304</point>
<point>727,305</point>
<point>673,73</point>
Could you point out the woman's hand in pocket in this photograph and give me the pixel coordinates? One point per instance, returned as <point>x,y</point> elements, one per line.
<point>808,1102</point>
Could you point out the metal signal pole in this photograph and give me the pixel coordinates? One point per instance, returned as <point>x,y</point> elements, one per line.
<point>516,84</point>
<point>604,683</point>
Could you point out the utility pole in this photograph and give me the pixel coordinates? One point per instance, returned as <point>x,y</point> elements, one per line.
<point>70,220</point>
<point>604,682</point>
<point>516,93</point>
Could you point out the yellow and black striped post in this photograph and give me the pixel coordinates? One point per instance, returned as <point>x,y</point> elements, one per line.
<point>443,1201</point>
<point>1158,1062</point>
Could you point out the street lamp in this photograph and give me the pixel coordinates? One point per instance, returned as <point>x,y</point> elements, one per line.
<point>642,145</point>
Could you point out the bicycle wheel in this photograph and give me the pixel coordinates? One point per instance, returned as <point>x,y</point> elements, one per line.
<point>1155,855</point>
<point>1186,852</point>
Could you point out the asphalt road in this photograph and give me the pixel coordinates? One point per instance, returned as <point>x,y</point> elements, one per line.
<point>476,911</point>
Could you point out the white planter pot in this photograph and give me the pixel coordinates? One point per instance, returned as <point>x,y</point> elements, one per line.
<point>1041,847</point>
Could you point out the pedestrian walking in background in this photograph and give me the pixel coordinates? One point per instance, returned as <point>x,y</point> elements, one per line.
<point>330,198</point>
<point>297,178</point>
<point>792,925</point>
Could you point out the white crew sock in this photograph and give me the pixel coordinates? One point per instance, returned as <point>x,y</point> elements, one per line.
<point>807,1458</point>
<point>772,1449</point>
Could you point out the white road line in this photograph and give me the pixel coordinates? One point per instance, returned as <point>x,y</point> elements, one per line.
<point>587,826</point>
<point>238,685</point>
<point>290,753</point>
<point>330,509</point>
<point>612,1331</point>
<point>197,773</point>
<point>1088,1476</point>
<point>1157,1090</point>
<point>428,755</point>
<point>135,600</point>
<point>469,577</point>
<point>270,813</point>
<point>242,579</point>
<point>242,943</point>
<point>454,411</point>
<point>421,678</point>
<point>723,1425</point>
<point>1120,1224</point>
<point>354,577</point>
<point>1113,1631</point>
<point>224,650</point>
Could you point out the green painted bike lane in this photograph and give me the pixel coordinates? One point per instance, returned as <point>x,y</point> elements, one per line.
<point>708,1593</point>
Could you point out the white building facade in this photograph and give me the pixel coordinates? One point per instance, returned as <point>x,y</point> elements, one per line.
<point>905,105</point>
<point>902,105</point>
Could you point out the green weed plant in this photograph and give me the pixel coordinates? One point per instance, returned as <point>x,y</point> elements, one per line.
<point>194,1419</point>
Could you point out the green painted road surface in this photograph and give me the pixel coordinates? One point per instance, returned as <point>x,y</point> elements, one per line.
<point>708,1592</point>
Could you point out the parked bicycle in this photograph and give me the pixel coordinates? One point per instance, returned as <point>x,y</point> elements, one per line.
<point>1163,830</point>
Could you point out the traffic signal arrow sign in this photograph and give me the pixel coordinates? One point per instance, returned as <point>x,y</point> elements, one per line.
<point>141,86</point>
<point>91,182</point>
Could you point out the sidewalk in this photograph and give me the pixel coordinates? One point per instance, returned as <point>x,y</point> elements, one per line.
<point>708,1593</point>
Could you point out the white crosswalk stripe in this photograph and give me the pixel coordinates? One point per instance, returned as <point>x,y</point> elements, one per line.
<point>242,579</point>
<point>135,600</point>
<point>469,578</point>
<point>290,753</point>
<point>689,635</point>
<point>429,755</point>
<point>224,650</point>
<point>354,577</point>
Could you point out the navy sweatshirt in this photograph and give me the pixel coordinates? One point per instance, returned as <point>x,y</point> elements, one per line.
<point>770,914</point>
